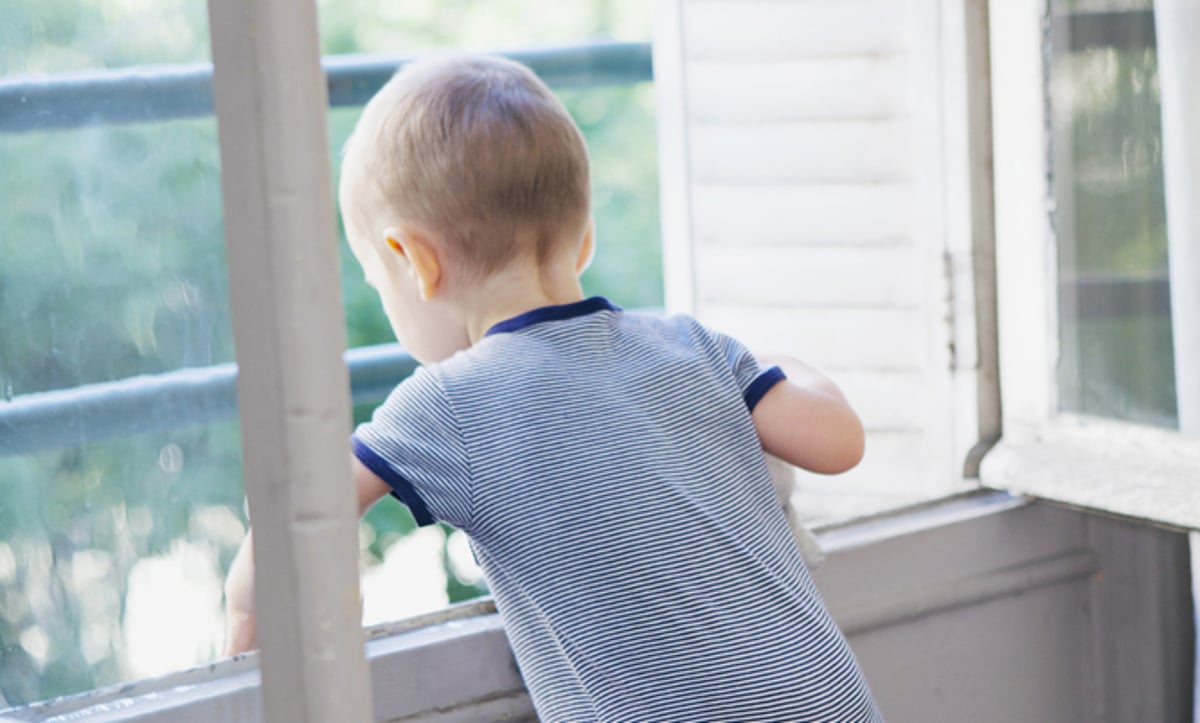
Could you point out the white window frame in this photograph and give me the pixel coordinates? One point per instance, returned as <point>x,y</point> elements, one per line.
<point>1093,463</point>
<point>293,387</point>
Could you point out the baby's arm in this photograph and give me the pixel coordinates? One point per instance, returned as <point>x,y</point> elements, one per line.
<point>239,584</point>
<point>806,421</point>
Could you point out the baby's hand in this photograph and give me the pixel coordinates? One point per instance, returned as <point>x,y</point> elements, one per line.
<point>239,631</point>
<point>239,601</point>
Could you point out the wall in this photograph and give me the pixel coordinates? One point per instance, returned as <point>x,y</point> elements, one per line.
<point>1034,613</point>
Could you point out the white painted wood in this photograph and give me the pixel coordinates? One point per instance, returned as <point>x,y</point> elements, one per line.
<point>1177,24</point>
<point>849,88</point>
<point>985,375</point>
<point>927,150</point>
<point>832,340</point>
<point>674,162</point>
<point>1116,467</point>
<point>1025,259</point>
<point>791,215</point>
<point>436,669</point>
<point>803,152</point>
<point>293,388</point>
<point>749,30</point>
<point>968,224</point>
<point>810,278</point>
<point>899,463</point>
<point>888,401</point>
<point>828,220</point>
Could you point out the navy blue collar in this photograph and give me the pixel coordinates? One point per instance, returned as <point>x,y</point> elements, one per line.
<point>553,313</point>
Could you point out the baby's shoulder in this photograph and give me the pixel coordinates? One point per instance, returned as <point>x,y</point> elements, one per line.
<point>684,334</point>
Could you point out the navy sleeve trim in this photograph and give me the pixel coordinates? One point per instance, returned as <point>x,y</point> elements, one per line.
<point>760,386</point>
<point>402,489</point>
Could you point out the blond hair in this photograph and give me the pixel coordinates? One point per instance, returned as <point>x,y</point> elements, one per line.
<point>480,154</point>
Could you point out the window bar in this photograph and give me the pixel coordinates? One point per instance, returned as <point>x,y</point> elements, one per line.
<point>178,399</point>
<point>148,94</point>
<point>270,97</point>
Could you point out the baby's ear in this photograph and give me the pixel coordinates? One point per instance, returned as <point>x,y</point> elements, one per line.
<point>392,237</point>
<point>420,256</point>
<point>587,250</point>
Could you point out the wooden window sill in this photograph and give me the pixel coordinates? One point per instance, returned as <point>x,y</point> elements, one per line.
<point>1130,470</point>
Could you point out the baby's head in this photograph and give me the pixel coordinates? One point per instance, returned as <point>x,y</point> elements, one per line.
<point>476,159</point>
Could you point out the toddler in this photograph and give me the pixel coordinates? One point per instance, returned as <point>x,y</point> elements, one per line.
<point>608,466</point>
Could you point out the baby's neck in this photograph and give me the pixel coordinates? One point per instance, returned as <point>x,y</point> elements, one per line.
<point>515,290</point>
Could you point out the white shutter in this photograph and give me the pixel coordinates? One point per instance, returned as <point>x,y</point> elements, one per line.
<point>817,201</point>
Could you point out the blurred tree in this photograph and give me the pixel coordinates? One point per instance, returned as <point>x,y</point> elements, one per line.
<point>114,266</point>
<point>1110,217</point>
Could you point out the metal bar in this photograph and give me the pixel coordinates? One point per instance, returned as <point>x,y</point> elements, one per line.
<point>1116,30</point>
<point>143,94</point>
<point>1115,297</point>
<point>180,399</point>
<point>271,98</point>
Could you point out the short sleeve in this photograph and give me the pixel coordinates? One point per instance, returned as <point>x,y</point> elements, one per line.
<point>414,443</point>
<point>752,379</point>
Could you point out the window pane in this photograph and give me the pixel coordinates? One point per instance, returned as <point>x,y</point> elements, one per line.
<point>113,266</point>
<point>1115,320</point>
<point>116,529</point>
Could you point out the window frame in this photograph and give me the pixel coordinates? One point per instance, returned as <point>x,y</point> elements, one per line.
<point>1044,452</point>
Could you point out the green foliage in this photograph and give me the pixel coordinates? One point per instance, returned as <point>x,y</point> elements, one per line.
<point>1111,224</point>
<point>112,264</point>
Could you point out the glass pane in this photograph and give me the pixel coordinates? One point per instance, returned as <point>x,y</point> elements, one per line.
<point>1115,319</point>
<point>114,529</point>
<point>121,516</point>
<point>619,124</point>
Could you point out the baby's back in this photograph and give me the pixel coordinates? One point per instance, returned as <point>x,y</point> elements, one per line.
<point>621,506</point>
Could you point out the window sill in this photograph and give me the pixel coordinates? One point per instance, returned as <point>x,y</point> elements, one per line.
<point>449,666</point>
<point>1112,467</point>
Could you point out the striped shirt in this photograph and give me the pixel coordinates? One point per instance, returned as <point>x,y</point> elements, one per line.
<point>606,469</point>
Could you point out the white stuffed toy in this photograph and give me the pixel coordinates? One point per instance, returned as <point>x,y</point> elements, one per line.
<point>784,478</point>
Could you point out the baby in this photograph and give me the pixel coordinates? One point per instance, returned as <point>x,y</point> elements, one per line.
<point>608,466</point>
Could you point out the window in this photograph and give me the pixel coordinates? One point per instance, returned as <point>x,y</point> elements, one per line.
<point>1094,243</point>
<point>114,267</point>
<point>123,505</point>
<point>1110,213</point>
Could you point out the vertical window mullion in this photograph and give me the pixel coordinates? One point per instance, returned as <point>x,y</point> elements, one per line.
<point>1027,313</point>
<point>1177,23</point>
<point>270,98</point>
